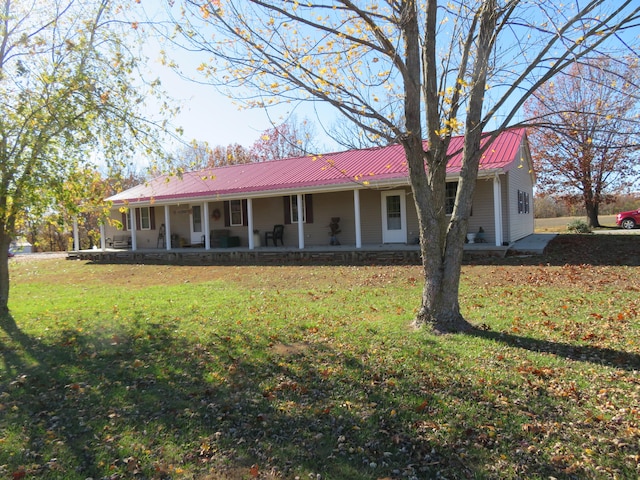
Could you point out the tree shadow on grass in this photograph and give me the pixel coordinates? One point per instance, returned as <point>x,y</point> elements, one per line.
<point>150,403</point>
<point>582,353</point>
<point>83,406</point>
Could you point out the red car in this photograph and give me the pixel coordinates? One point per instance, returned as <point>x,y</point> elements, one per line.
<point>628,220</point>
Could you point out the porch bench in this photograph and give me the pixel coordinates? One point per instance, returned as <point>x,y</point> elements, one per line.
<point>223,239</point>
<point>230,242</point>
<point>121,241</point>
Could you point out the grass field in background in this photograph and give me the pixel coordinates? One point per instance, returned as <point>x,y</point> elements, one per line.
<point>158,372</point>
<point>559,224</point>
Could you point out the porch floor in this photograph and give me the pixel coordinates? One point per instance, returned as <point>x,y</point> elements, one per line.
<point>337,254</point>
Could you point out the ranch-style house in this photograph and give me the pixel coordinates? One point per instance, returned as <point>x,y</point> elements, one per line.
<point>354,199</point>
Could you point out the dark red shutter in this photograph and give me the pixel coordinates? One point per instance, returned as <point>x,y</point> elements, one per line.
<point>308,206</point>
<point>287,210</point>
<point>226,213</point>
<point>136,212</point>
<point>125,225</point>
<point>245,213</point>
<point>152,217</point>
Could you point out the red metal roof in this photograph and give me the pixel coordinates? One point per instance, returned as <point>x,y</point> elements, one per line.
<point>368,166</point>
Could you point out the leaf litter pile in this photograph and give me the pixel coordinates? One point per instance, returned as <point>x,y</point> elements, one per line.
<point>160,372</point>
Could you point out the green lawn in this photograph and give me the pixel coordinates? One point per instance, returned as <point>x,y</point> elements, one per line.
<point>158,372</point>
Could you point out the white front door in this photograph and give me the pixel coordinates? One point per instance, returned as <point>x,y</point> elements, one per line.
<point>394,217</point>
<point>195,219</point>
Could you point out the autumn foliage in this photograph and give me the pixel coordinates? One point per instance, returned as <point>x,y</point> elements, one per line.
<point>289,139</point>
<point>586,140</point>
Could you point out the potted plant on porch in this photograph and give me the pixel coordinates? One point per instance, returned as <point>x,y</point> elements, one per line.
<point>334,228</point>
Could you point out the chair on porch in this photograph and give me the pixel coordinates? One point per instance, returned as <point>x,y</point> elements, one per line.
<point>275,235</point>
<point>162,241</point>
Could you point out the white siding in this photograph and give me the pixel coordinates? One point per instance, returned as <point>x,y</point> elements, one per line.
<point>519,177</point>
<point>326,206</point>
<point>482,214</point>
<point>371,217</point>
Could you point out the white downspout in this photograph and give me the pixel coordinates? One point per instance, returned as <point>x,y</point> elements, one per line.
<point>356,210</point>
<point>300,222</point>
<point>134,243</point>
<point>76,235</point>
<point>250,223</point>
<point>167,227</point>
<point>205,224</point>
<point>103,241</point>
<point>497,210</point>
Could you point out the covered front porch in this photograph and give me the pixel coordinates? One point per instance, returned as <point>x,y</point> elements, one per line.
<point>369,220</point>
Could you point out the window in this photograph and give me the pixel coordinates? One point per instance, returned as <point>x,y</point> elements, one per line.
<point>145,219</point>
<point>394,212</point>
<point>126,220</point>
<point>294,209</point>
<point>235,212</point>
<point>450,197</point>
<point>197,218</point>
<point>291,209</point>
<point>523,202</point>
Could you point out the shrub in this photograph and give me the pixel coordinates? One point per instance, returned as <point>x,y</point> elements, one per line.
<point>578,226</point>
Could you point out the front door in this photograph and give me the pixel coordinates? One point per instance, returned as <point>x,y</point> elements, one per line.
<point>394,217</point>
<point>195,219</point>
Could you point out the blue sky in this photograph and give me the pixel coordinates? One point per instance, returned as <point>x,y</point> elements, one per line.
<point>207,115</point>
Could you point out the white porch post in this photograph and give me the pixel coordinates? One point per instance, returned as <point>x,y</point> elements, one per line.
<point>205,213</point>
<point>497,209</point>
<point>76,235</point>
<point>103,241</point>
<point>167,227</point>
<point>300,222</point>
<point>134,243</point>
<point>250,223</point>
<point>356,210</point>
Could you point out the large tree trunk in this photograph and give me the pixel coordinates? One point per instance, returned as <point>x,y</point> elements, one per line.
<point>442,239</point>
<point>439,306</point>
<point>441,243</point>
<point>4,274</point>
<point>592,216</point>
<point>593,208</point>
